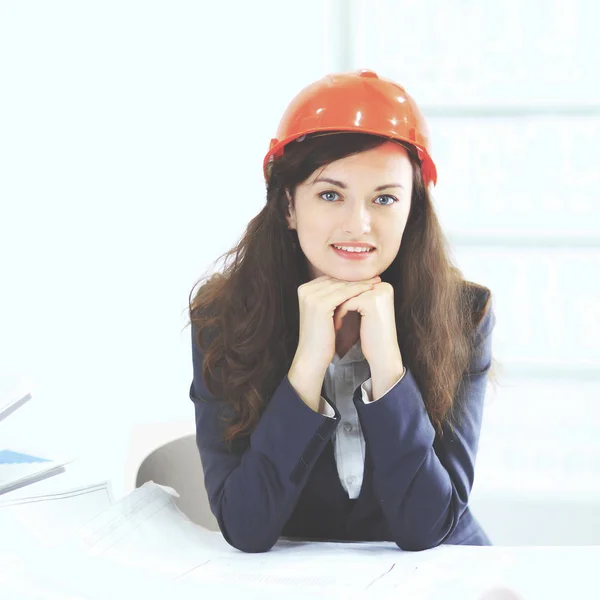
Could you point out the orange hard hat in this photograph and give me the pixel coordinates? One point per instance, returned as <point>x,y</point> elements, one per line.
<point>356,102</point>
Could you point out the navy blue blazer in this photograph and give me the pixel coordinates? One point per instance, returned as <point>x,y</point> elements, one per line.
<point>282,480</point>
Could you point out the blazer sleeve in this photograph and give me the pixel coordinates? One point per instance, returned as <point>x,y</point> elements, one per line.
<point>253,490</point>
<point>422,480</point>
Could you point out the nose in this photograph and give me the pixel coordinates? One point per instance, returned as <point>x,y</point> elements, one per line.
<point>357,219</point>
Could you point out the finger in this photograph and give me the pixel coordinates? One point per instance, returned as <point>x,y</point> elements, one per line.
<point>339,318</point>
<point>344,295</point>
<point>331,290</point>
<point>331,293</point>
<point>327,282</point>
<point>344,309</point>
<point>338,287</point>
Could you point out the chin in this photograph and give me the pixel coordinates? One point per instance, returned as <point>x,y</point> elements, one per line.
<point>349,272</point>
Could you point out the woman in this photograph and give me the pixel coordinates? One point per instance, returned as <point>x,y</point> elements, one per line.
<point>338,394</point>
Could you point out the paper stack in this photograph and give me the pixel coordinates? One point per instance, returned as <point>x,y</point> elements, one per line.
<point>44,499</point>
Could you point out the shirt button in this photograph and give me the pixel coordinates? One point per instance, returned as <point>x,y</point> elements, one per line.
<point>350,480</point>
<point>348,427</point>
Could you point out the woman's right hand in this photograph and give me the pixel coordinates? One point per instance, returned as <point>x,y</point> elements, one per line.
<point>318,300</point>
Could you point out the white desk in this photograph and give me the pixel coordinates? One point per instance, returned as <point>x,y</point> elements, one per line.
<point>144,545</point>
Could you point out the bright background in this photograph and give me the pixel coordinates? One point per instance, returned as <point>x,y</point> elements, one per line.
<point>131,143</point>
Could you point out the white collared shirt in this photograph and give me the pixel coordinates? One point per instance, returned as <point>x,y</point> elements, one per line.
<point>342,377</point>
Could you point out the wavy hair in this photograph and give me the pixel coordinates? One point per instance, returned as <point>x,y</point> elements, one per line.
<point>246,318</point>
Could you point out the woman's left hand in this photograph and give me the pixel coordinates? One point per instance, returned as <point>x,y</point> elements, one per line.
<point>378,336</point>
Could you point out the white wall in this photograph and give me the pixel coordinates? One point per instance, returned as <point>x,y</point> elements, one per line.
<point>131,143</point>
<point>131,147</point>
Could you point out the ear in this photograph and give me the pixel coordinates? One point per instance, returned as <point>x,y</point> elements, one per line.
<point>290,216</point>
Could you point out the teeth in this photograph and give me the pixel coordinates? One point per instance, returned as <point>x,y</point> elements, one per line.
<point>347,249</point>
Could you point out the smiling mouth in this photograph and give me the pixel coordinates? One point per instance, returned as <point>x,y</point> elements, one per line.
<point>358,251</point>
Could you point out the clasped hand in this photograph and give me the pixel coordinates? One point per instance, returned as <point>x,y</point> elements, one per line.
<point>378,335</point>
<point>323,303</point>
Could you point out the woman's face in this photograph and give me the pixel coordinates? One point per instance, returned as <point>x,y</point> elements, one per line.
<point>367,199</point>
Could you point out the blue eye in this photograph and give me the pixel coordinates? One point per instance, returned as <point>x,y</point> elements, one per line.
<point>323,194</point>
<point>392,197</point>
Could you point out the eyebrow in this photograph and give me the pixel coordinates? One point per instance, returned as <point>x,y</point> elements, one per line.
<point>342,185</point>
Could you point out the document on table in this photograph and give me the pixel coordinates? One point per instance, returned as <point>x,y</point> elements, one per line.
<point>40,548</point>
<point>146,530</point>
<point>50,515</point>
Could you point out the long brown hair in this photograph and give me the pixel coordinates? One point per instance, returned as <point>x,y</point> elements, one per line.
<point>246,318</point>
